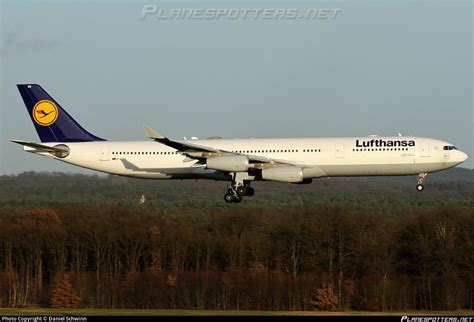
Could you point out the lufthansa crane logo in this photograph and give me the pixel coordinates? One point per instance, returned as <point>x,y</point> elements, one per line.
<point>45,113</point>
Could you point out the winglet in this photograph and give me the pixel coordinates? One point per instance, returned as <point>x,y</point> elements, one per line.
<point>153,134</point>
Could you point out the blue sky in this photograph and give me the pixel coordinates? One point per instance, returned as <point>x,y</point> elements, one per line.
<point>380,67</point>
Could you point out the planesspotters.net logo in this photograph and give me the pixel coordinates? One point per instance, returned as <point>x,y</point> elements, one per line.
<point>437,319</point>
<point>155,11</point>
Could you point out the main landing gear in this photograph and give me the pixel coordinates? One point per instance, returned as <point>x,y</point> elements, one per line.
<point>238,189</point>
<point>421,178</point>
<point>235,192</point>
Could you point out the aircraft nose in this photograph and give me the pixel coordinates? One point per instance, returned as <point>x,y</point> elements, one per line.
<point>463,156</point>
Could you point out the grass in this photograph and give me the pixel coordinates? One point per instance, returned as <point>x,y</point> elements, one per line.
<point>153,312</point>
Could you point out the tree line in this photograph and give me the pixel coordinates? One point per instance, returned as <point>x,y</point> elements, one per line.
<point>326,256</point>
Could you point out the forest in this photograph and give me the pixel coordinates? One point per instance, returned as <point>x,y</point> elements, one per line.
<point>340,244</point>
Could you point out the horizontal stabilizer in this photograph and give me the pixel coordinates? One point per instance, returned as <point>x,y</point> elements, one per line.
<point>41,147</point>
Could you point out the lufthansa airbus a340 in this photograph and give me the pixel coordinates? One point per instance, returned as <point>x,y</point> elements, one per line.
<point>239,161</point>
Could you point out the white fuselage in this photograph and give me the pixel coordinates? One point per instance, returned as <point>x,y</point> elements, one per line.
<point>320,157</point>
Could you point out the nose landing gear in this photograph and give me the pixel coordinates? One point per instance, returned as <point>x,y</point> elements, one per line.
<point>421,178</point>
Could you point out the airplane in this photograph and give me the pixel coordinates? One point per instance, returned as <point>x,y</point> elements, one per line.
<point>238,161</point>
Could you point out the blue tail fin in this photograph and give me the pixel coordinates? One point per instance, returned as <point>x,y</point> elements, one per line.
<point>51,121</point>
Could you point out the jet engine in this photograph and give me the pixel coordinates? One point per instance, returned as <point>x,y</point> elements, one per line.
<point>283,174</point>
<point>230,163</point>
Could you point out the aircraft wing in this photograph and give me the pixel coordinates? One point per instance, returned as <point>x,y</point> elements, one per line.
<point>200,152</point>
<point>180,146</point>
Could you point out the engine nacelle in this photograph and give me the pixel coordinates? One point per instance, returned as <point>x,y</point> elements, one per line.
<point>283,174</point>
<point>230,163</point>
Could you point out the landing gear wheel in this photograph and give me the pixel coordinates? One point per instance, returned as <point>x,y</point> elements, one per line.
<point>241,190</point>
<point>250,192</point>
<point>237,199</point>
<point>228,197</point>
<point>421,178</point>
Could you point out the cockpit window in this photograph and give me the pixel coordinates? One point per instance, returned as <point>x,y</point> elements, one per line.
<point>449,147</point>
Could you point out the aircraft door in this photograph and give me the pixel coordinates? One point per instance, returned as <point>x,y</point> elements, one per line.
<point>104,153</point>
<point>424,150</point>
